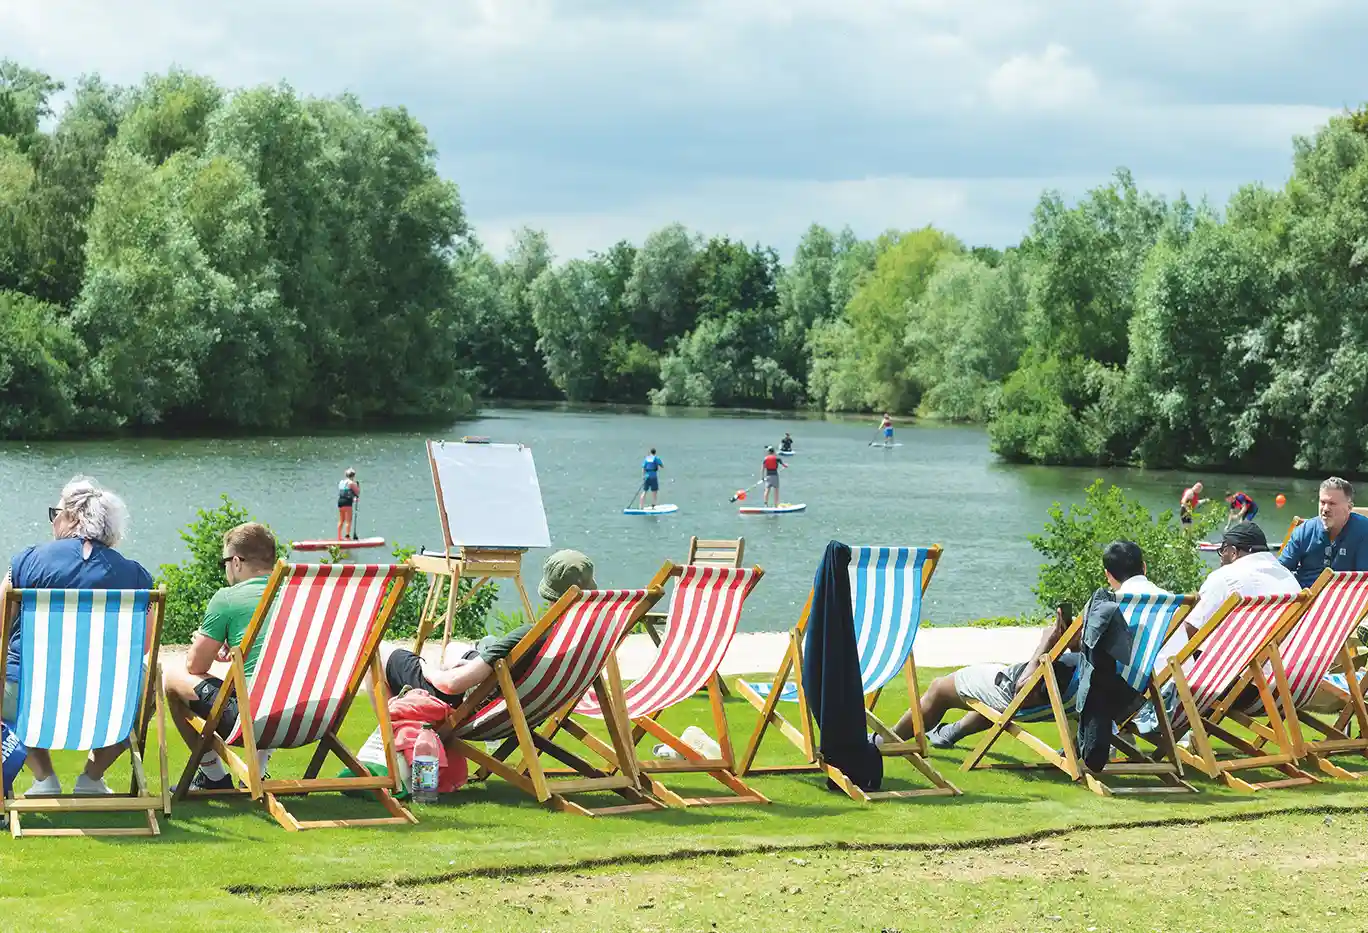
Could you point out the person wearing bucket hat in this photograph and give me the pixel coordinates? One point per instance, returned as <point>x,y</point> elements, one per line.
<point>405,670</point>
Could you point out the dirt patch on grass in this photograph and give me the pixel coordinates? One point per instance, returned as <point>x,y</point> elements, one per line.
<point>1282,873</point>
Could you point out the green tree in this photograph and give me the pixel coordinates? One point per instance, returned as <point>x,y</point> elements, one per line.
<point>661,291</point>
<point>41,362</point>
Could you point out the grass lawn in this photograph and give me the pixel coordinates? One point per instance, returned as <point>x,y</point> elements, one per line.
<point>489,855</point>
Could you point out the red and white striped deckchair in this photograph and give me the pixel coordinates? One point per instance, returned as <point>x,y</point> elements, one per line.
<point>1232,642</point>
<point>702,620</point>
<point>569,650</point>
<point>320,626</point>
<point>1339,602</point>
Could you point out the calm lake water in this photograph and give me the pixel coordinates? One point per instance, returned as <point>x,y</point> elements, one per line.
<point>943,486</point>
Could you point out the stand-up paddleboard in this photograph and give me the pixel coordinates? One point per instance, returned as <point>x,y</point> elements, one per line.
<point>662,509</point>
<point>787,453</point>
<point>1210,547</point>
<point>782,508</point>
<point>885,446</point>
<point>346,545</point>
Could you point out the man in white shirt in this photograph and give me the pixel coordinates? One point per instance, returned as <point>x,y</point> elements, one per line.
<point>994,685</point>
<point>1248,568</point>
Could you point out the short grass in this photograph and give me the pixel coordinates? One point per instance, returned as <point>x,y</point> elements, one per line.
<point>231,862</point>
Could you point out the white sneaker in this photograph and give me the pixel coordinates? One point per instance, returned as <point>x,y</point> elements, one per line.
<point>87,787</point>
<point>50,786</point>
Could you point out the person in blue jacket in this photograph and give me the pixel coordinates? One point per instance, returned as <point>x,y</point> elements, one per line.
<point>650,480</point>
<point>1336,538</point>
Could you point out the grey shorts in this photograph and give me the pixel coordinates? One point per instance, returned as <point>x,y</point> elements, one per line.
<point>11,710</point>
<point>772,481</point>
<point>990,684</point>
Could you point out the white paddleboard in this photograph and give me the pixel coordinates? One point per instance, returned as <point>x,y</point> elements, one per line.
<point>787,453</point>
<point>345,544</point>
<point>885,446</point>
<point>782,508</point>
<point>662,509</point>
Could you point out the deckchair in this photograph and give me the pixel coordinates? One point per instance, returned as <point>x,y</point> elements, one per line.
<point>704,613</point>
<point>569,650</point>
<point>702,553</point>
<point>887,585</point>
<point>1319,640</point>
<point>1234,640</point>
<point>320,627</point>
<point>89,679</point>
<point>1151,618</point>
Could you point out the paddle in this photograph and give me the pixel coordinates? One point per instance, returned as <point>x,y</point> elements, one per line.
<point>356,505</point>
<point>741,493</point>
<point>640,486</point>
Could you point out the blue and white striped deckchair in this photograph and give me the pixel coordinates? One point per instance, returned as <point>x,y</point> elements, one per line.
<point>88,679</point>
<point>887,587</point>
<point>1151,619</point>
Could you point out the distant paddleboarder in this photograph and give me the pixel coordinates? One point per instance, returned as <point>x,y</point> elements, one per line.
<point>1189,502</point>
<point>650,480</point>
<point>1242,508</point>
<point>786,445</point>
<point>886,428</point>
<point>769,472</point>
<point>348,493</point>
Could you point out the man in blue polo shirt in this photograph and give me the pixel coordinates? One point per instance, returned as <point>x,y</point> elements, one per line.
<point>1336,538</point>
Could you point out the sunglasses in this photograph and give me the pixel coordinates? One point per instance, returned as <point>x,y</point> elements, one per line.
<point>53,512</point>
<point>225,561</point>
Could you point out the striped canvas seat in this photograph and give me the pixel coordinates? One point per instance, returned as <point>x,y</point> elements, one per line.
<point>703,617</point>
<point>83,666</point>
<point>319,628</point>
<point>1310,649</point>
<point>1228,651</point>
<point>886,600</point>
<point>571,654</point>
<point>89,679</point>
<point>315,645</point>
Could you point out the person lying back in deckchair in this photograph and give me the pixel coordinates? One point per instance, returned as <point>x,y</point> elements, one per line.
<point>449,683</point>
<point>995,685</point>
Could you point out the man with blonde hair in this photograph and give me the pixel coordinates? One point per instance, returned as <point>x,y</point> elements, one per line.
<point>249,554</point>
<point>87,522</point>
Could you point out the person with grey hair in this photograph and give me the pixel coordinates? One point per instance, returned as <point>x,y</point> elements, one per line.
<point>1336,538</point>
<point>87,522</point>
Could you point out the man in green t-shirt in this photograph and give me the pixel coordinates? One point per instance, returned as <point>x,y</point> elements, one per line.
<point>249,554</point>
<point>448,683</point>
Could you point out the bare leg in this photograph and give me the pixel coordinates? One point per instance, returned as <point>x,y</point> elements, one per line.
<point>938,699</point>
<point>99,760</point>
<point>39,762</point>
<point>339,526</point>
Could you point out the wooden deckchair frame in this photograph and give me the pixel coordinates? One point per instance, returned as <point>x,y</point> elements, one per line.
<point>1063,753</point>
<point>915,750</point>
<point>139,798</point>
<point>1217,763</point>
<point>1335,738</point>
<point>202,736</point>
<point>721,769</point>
<point>531,777</point>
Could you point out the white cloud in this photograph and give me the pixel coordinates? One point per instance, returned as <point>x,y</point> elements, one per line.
<point>1048,81</point>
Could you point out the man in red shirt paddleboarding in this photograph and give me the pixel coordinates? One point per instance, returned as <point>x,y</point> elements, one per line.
<point>348,493</point>
<point>1189,501</point>
<point>769,472</point>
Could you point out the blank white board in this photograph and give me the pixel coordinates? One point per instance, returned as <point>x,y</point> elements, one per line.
<point>488,495</point>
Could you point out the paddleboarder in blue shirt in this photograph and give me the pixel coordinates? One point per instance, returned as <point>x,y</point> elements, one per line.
<point>650,481</point>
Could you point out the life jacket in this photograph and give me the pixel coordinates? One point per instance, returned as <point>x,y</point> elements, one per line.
<point>346,493</point>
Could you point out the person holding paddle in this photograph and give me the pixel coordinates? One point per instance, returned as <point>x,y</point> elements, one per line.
<point>348,493</point>
<point>650,480</point>
<point>886,428</point>
<point>769,473</point>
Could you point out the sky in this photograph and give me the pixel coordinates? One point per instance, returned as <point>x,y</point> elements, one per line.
<point>601,120</point>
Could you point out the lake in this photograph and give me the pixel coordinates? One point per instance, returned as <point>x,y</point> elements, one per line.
<point>943,486</point>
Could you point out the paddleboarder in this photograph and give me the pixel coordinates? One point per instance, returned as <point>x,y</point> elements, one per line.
<point>786,445</point>
<point>650,480</point>
<point>1242,509</point>
<point>1189,501</point>
<point>769,472</point>
<point>886,428</point>
<point>348,494</point>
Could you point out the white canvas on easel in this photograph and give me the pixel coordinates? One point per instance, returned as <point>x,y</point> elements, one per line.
<point>488,495</point>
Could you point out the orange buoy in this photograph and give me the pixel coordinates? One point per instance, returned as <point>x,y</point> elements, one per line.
<point>1281,500</point>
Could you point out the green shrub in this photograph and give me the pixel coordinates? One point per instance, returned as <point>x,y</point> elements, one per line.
<point>1072,545</point>
<point>191,583</point>
<point>469,623</point>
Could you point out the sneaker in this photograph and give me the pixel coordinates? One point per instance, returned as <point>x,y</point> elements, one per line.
<point>90,787</point>
<point>265,776</point>
<point>875,739</point>
<point>202,781</point>
<point>48,787</point>
<point>939,739</point>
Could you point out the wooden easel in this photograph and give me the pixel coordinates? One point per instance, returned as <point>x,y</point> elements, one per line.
<point>445,570</point>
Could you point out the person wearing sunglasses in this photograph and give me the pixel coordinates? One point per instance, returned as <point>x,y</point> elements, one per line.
<point>1336,538</point>
<point>87,522</point>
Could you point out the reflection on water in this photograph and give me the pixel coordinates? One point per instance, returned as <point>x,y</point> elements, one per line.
<point>942,486</point>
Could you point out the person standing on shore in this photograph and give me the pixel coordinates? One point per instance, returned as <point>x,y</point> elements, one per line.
<point>769,472</point>
<point>650,480</point>
<point>348,493</point>
<point>1189,502</point>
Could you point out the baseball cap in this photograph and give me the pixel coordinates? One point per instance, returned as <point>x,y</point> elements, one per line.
<point>1246,536</point>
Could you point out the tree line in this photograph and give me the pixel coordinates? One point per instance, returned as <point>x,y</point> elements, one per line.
<point>180,254</point>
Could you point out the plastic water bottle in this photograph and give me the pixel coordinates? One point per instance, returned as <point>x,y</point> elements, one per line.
<point>701,742</point>
<point>424,775</point>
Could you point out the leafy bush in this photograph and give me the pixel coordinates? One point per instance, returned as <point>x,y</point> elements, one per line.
<point>469,623</point>
<point>191,583</point>
<point>1072,545</point>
